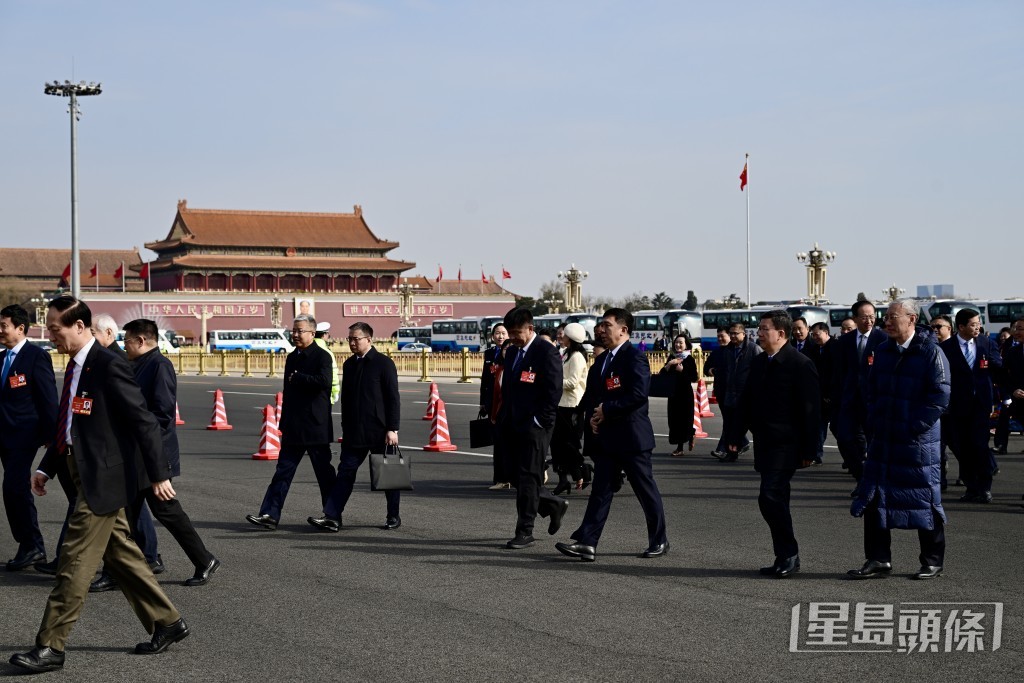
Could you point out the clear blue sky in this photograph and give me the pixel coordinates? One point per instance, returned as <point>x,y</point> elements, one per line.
<point>538,134</point>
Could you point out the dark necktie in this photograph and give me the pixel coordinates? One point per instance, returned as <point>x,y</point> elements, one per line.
<point>519,357</point>
<point>65,404</point>
<point>607,363</point>
<point>8,361</point>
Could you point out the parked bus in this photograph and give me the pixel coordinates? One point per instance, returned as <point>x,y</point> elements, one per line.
<point>648,329</point>
<point>411,335</point>
<point>812,314</point>
<point>679,321</point>
<point>455,334</point>
<point>550,320</point>
<point>950,307</point>
<point>270,340</point>
<point>487,324</point>
<point>167,341</point>
<point>1002,314</point>
<point>712,320</point>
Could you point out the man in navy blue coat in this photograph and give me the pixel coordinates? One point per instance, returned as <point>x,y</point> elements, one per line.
<point>531,386</point>
<point>28,419</point>
<point>973,360</point>
<point>616,408</point>
<point>853,357</point>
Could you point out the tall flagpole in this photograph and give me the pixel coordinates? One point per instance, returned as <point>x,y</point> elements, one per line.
<point>746,169</point>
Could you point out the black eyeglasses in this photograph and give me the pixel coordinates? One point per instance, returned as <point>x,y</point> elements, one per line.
<point>353,340</point>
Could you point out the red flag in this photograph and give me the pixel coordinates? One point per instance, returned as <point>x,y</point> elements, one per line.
<point>440,273</point>
<point>144,271</point>
<point>93,272</point>
<point>483,278</point>
<point>460,273</point>
<point>119,273</point>
<point>743,178</point>
<point>66,275</point>
<point>505,275</point>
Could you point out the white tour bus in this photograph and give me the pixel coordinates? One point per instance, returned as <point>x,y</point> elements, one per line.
<point>267,339</point>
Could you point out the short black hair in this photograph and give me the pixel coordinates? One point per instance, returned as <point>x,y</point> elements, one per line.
<point>800,319</point>
<point>689,344</point>
<point>724,328</point>
<point>964,315</point>
<point>780,321</point>
<point>359,327</point>
<point>142,327</point>
<point>548,332</point>
<point>518,318</point>
<point>622,317</point>
<point>71,310</point>
<point>944,317</point>
<point>855,309</point>
<point>821,327</point>
<point>17,314</point>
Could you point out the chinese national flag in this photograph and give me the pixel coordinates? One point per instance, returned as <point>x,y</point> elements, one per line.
<point>743,178</point>
<point>505,275</point>
<point>440,273</point>
<point>483,278</point>
<point>66,275</point>
<point>460,273</point>
<point>119,273</point>
<point>144,271</point>
<point>93,272</point>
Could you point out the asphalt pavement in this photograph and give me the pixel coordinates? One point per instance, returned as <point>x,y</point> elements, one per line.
<point>441,599</point>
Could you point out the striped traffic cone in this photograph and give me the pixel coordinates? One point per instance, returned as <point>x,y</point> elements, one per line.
<point>219,421</point>
<point>280,402</point>
<point>270,437</point>
<point>177,415</point>
<point>702,399</point>
<point>698,429</point>
<point>440,439</point>
<point>432,401</point>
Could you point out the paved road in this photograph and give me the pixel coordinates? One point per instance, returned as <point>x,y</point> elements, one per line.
<point>440,599</point>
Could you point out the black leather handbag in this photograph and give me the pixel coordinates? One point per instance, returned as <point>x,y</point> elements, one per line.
<point>481,433</point>
<point>390,470</point>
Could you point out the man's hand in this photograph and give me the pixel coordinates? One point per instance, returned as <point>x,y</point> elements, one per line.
<point>391,439</point>
<point>39,483</point>
<point>1018,393</point>
<point>597,418</point>
<point>163,490</point>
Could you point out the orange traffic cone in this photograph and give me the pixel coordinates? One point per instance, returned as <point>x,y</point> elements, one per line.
<point>177,415</point>
<point>280,402</point>
<point>702,399</point>
<point>432,401</point>
<point>219,421</point>
<point>698,429</point>
<point>440,439</point>
<point>270,437</point>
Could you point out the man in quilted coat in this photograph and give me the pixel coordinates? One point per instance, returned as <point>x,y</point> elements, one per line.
<point>908,389</point>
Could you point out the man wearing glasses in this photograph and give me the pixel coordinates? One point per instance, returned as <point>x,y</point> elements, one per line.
<point>305,421</point>
<point>370,414</point>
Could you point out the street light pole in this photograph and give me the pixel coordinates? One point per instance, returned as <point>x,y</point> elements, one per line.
<point>573,279</point>
<point>74,91</point>
<point>817,262</point>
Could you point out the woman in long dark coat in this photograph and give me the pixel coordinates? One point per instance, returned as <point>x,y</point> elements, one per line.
<point>682,366</point>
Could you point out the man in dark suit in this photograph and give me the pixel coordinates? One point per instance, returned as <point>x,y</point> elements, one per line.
<point>28,417</point>
<point>615,404</point>
<point>108,444</point>
<point>738,358</point>
<point>781,407</point>
<point>531,386</point>
<point>801,334</point>
<point>853,357</point>
<point>154,374</point>
<point>1013,371</point>
<point>306,425</point>
<point>821,350</point>
<point>973,361</point>
<point>370,417</point>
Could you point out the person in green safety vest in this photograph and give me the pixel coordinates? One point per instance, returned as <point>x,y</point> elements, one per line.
<point>321,337</point>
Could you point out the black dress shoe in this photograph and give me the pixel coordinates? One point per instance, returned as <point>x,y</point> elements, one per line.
<point>655,550</point>
<point>927,572</point>
<point>587,553</point>
<point>324,523</point>
<point>157,565</point>
<point>104,583</point>
<point>265,521</point>
<point>47,567</point>
<point>783,567</point>
<point>203,574</point>
<point>39,660</point>
<point>163,637</point>
<point>519,542</point>
<point>556,517</point>
<point>392,523</point>
<point>872,569</point>
<point>24,559</point>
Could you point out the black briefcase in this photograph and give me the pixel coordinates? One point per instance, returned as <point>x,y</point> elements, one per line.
<point>481,433</point>
<point>390,471</point>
